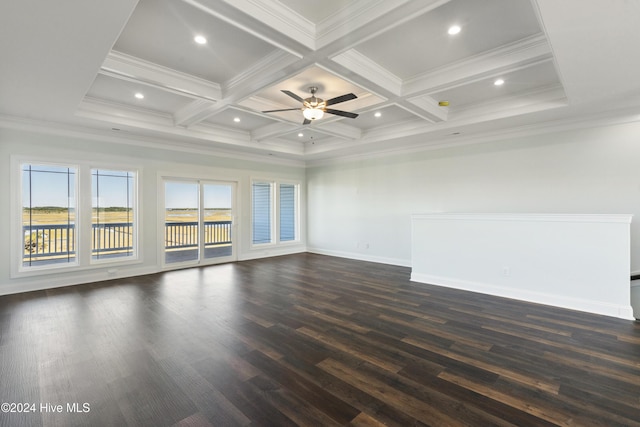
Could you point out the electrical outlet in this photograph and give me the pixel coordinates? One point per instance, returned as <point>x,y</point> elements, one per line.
<point>506,271</point>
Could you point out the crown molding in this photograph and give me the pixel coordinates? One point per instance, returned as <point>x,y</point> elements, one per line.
<point>123,66</point>
<point>128,138</point>
<point>443,142</point>
<point>199,141</point>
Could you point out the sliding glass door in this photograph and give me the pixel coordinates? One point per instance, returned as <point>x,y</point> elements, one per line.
<point>198,222</point>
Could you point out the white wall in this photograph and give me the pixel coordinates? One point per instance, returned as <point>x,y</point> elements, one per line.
<point>576,261</point>
<point>153,163</point>
<point>361,209</point>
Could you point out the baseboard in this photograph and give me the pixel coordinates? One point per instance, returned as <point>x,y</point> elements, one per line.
<point>270,252</point>
<point>596,307</point>
<point>39,283</point>
<point>362,257</point>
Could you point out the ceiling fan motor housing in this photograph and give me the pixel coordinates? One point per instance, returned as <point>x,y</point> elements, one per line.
<point>313,101</point>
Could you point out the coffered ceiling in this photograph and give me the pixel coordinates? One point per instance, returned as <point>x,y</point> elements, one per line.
<point>79,65</point>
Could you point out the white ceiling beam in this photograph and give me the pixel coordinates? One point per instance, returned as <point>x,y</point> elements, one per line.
<point>280,18</point>
<point>426,107</point>
<point>261,73</point>
<point>273,130</point>
<point>107,111</point>
<point>340,130</point>
<point>355,14</point>
<point>524,53</point>
<point>508,106</point>
<point>245,15</point>
<point>366,19</point>
<point>127,67</point>
<point>272,71</point>
<point>193,112</point>
<point>365,67</point>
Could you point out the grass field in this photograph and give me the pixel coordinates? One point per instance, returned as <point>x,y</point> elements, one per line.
<point>39,241</point>
<point>39,216</point>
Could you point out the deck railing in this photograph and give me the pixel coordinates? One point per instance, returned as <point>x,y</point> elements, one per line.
<point>57,240</point>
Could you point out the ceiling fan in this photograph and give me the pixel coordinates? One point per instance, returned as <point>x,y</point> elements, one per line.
<point>313,108</point>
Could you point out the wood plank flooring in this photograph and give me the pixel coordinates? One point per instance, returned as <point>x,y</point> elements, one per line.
<point>308,340</point>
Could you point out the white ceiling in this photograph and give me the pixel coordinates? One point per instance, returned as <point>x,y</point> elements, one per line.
<point>79,64</point>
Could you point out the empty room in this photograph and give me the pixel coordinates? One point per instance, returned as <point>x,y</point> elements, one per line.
<point>343,212</point>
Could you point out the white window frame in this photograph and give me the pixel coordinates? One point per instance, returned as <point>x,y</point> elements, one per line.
<point>82,222</point>
<point>200,179</point>
<point>275,212</point>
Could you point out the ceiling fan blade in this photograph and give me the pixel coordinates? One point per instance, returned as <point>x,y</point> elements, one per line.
<point>284,109</point>
<point>306,122</point>
<point>293,95</point>
<point>341,113</point>
<point>341,98</point>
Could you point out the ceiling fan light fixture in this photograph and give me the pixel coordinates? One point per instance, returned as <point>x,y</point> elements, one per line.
<point>312,113</point>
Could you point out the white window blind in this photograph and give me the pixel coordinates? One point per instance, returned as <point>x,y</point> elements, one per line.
<point>262,208</point>
<point>287,212</point>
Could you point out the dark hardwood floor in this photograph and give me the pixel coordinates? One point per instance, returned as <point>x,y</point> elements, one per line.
<point>308,340</point>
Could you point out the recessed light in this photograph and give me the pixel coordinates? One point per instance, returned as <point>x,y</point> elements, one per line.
<point>301,134</point>
<point>200,39</point>
<point>139,95</point>
<point>236,119</point>
<point>498,82</point>
<point>378,114</point>
<point>453,30</point>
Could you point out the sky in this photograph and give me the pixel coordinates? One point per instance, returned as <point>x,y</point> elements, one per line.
<point>185,195</point>
<point>55,186</point>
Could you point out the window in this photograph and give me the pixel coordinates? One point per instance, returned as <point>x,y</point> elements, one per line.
<point>48,215</point>
<point>288,212</point>
<point>264,196</point>
<point>112,223</point>
<point>262,212</point>
<point>72,216</point>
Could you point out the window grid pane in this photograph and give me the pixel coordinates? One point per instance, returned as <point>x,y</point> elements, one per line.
<point>48,215</point>
<point>112,214</point>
